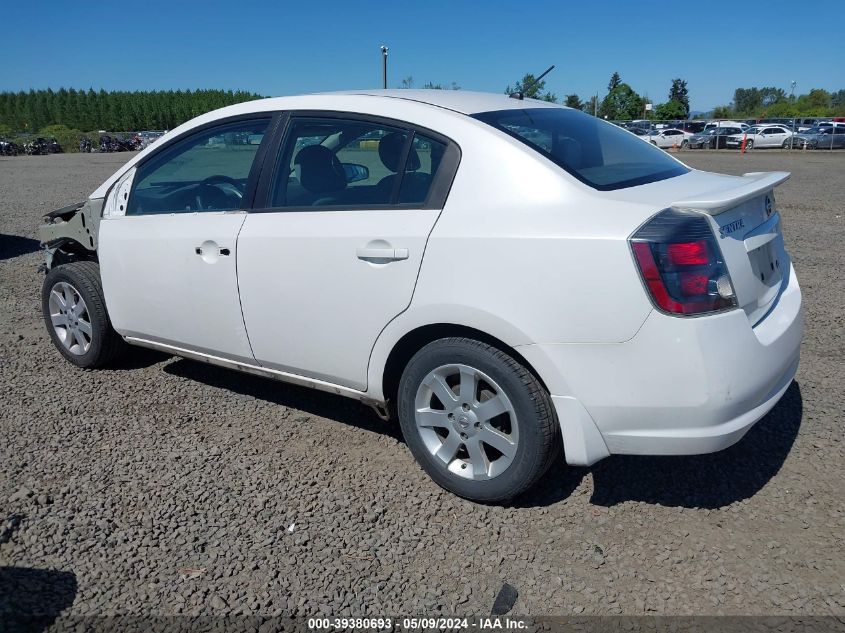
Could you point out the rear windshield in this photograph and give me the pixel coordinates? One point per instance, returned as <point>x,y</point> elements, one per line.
<point>597,153</point>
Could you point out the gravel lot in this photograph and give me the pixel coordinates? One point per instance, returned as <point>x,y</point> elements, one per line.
<point>165,486</point>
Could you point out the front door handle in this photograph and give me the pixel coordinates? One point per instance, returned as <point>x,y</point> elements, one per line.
<point>382,254</point>
<point>221,250</point>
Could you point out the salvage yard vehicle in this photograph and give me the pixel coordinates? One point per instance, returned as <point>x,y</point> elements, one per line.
<point>761,136</point>
<point>508,277</point>
<point>824,136</point>
<point>669,138</point>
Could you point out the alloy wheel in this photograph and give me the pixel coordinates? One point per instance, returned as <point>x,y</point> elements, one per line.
<point>70,318</point>
<point>466,420</point>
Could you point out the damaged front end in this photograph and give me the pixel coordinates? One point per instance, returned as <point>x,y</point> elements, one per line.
<point>70,233</point>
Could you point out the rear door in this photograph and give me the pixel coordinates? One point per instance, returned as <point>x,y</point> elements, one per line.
<point>168,241</point>
<point>334,254</point>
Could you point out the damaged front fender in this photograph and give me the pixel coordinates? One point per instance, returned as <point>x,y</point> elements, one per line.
<point>71,230</point>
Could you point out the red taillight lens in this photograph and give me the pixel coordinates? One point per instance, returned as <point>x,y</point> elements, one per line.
<point>688,253</point>
<point>681,264</point>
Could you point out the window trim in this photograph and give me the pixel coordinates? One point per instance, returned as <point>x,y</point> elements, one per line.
<point>253,177</point>
<point>437,195</point>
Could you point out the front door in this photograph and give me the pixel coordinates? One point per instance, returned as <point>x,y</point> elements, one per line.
<point>168,242</point>
<point>335,254</point>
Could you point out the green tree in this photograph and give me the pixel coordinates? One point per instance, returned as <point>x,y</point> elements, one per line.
<point>678,93</point>
<point>722,112</point>
<point>573,101</point>
<point>670,110</point>
<point>439,86</point>
<point>615,81</point>
<point>748,100</point>
<point>622,103</point>
<point>532,89</point>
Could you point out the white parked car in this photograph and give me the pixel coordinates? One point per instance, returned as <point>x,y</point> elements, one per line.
<point>509,278</point>
<point>669,138</point>
<point>761,136</point>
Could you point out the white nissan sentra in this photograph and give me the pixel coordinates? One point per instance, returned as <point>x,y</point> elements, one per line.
<point>507,277</point>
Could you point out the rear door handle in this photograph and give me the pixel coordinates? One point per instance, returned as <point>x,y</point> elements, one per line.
<point>389,254</point>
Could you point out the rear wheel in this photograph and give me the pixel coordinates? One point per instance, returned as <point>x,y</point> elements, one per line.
<point>75,315</point>
<point>478,422</point>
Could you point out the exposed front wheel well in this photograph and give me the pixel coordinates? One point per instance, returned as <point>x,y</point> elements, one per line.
<point>67,251</point>
<point>416,339</point>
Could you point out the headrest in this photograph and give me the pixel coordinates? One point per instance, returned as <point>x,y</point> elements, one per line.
<point>320,170</point>
<point>390,152</point>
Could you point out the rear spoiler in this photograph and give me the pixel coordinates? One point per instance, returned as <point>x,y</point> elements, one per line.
<point>751,185</point>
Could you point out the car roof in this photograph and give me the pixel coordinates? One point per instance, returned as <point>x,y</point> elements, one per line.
<point>463,101</point>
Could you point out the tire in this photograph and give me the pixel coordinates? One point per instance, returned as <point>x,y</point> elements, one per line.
<point>449,440</point>
<point>685,144</point>
<point>75,315</point>
<point>749,144</point>
<point>785,144</point>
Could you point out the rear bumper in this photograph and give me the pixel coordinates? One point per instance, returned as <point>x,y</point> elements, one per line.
<point>681,386</point>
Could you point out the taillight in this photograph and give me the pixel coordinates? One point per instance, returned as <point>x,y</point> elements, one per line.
<point>682,265</point>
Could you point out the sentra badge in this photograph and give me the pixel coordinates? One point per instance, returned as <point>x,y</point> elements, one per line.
<point>730,227</point>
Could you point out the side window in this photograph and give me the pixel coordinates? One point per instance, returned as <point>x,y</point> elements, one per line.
<point>343,162</point>
<point>207,171</point>
<point>338,162</point>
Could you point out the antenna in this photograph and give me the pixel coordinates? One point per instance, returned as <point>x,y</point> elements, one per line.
<point>520,94</point>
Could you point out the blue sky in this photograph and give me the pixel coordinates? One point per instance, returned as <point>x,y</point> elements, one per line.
<point>281,48</point>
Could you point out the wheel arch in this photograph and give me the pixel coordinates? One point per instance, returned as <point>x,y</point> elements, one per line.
<point>411,342</point>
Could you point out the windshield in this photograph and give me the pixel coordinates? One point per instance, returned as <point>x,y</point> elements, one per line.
<point>753,130</point>
<point>597,153</point>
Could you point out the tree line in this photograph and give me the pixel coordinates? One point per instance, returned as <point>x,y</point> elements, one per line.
<point>622,102</point>
<point>89,110</point>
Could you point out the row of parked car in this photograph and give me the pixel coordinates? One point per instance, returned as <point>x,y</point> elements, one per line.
<point>731,134</point>
<point>107,143</point>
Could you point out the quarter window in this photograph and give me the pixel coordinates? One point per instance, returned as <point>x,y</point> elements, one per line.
<point>207,171</point>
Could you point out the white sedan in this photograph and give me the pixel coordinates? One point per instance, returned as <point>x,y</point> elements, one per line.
<point>669,138</point>
<point>760,137</point>
<point>509,278</point>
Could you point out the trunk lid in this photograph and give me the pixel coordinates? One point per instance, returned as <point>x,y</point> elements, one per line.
<point>748,228</point>
<point>743,214</point>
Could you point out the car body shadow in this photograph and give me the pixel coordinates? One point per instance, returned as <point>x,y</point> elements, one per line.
<point>32,599</point>
<point>15,245</point>
<point>138,358</point>
<point>713,480</point>
<point>311,401</point>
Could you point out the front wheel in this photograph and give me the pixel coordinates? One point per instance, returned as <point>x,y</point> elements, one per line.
<point>749,144</point>
<point>477,421</point>
<point>684,144</point>
<point>75,314</point>
<point>786,144</point>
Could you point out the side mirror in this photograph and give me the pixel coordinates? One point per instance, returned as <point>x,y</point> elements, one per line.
<point>355,173</point>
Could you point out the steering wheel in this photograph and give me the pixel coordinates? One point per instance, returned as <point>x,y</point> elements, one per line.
<point>210,196</point>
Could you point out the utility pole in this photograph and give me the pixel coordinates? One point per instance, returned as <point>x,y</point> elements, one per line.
<point>384,66</point>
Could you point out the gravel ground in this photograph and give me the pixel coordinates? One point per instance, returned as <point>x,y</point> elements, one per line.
<point>165,486</point>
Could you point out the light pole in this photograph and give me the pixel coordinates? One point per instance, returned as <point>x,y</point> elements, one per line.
<point>384,66</point>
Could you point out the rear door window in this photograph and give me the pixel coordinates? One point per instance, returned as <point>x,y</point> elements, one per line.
<point>595,152</point>
<point>332,162</point>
